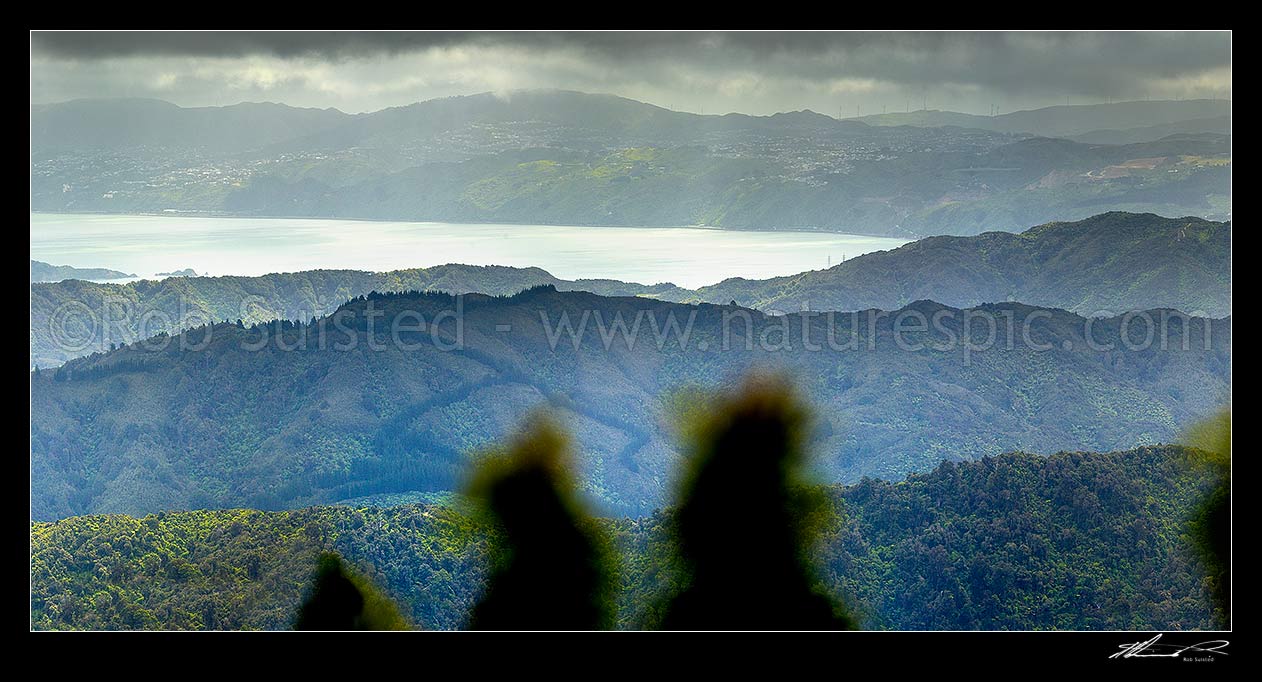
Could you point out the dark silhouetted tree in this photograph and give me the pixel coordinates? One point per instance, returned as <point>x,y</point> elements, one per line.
<point>550,567</point>
<point>747,518</point>
<point>341,600</point>
<point>1211,525</point>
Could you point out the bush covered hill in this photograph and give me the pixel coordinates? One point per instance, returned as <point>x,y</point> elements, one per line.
<point>1080,120</point>
<point>1111,262</point>
<point>44,272</point>
<point>294,414</point>
<point>74,318</point>
<point>1107,264</point>
<point>570,158</point>
<point>1069,541</point>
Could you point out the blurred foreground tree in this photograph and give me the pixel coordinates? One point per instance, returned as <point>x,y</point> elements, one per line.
<point>1212,523</point>
<point>749,570</point>
<point>551,570</point>
<point>342,600</point>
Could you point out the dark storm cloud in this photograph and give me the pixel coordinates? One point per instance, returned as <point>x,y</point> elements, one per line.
<point>329,44</point>
<point>763,71</point>
<point>87,45</point>
<point>1084,63</point>
<point>341,44</point>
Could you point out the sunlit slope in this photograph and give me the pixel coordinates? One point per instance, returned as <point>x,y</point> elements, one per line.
<point>1072,541</point>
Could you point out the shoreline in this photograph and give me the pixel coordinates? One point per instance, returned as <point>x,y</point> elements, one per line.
<point>150,222</point>
<point>707,228</point>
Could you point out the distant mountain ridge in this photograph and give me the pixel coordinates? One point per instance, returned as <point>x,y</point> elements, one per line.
<point>1071,120</point>
<point>126,123</point>
<point>570,158</point>
<point>606,115</point>
<point>129,119</point>
<point>1107,264</point>
<point>1218,125</point>
<point>43,272</point>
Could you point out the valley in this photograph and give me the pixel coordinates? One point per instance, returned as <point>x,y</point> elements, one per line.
<point>521,330</point>
<point>365,401</point>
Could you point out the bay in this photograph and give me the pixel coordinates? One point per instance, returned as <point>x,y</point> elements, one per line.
<point>689,257</point>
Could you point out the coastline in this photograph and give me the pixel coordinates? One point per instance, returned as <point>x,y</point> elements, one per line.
<point>708,228</point>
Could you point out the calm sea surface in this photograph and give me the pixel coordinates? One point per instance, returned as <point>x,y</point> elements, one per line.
<point>690,257</point>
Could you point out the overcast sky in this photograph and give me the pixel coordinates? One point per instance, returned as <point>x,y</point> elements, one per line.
<point>756,73</point>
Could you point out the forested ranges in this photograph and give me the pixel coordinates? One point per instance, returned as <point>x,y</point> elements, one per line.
<point>45,272</point>
<point>1068,541</point>
<point>74,318</point>
<point>209,420</point>
<point>1114,262</point>
<point>1104,265</point>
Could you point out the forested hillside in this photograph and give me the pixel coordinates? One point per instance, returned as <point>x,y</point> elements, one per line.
<point>1115,262</point>
<point>918,370</point>
<point>44,272</point>
<point>1070,541</point>
<point>1107,264</point>
<point>294,414</point>
<point>74,318</point>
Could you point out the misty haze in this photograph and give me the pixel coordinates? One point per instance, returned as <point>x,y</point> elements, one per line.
<point>632,330</point>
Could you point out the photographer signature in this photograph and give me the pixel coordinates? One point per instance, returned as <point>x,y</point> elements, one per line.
<point>1151,649</point>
